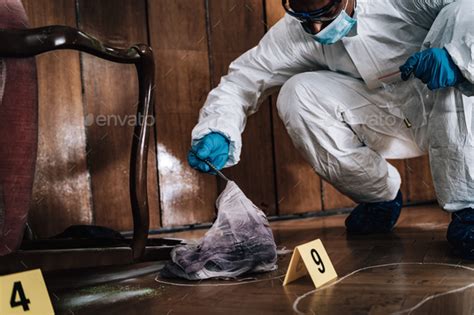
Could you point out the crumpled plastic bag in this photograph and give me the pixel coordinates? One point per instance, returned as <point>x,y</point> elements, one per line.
<point>240,241</point>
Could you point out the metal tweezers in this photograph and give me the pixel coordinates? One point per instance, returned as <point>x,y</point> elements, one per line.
<point>219,173</point>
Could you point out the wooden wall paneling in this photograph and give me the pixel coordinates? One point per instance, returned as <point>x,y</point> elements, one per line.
<point>111,97</point>
<point>333,199</point>
<point>235,27</point>
<point>179,39</point>
<point>273,12</point>
<point>298,186</point>
<point>61,195</point>
<point>400,165</point>
<point>420,182</point>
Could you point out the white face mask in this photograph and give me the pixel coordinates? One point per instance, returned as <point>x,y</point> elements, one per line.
<point>337,29</point>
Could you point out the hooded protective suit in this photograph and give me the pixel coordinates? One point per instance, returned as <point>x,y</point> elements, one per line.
<point>343,117</point>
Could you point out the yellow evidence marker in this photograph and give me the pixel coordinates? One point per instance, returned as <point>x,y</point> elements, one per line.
<point>24,293</point>
<point>310,258</point>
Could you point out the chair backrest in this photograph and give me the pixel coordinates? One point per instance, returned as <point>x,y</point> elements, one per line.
<point>18,133</point>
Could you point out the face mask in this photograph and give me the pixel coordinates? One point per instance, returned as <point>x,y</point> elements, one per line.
<point>338,29</point>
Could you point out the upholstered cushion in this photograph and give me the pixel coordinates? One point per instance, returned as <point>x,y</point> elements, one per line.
<point>3,74</point>
<point>12,14</point>
<point>18,133</point>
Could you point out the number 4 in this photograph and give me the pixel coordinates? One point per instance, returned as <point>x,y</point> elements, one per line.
<point>18,288</point>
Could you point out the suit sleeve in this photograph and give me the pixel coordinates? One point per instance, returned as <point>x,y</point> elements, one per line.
<point>281,53</point>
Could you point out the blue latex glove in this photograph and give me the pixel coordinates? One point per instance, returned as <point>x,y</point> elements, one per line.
<point>433,66</point>
<point>213,147</point>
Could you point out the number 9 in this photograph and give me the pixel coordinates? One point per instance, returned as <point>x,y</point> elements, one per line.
<point>318,261</point>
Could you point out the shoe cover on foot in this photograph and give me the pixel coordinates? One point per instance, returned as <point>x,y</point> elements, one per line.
<point>239,241</point>
<point>460,233</point>
<point>377,217</point>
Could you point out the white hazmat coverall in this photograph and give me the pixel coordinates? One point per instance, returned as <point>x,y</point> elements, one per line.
<point>340,114</point>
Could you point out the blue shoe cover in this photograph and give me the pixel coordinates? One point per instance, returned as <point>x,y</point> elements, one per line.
<point>461,233</point>
<point>377,217</point>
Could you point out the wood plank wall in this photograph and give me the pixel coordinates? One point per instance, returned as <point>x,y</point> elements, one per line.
<point>82,167</point>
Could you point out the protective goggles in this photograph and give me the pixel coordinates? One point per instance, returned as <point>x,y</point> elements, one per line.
<point>327,13</point>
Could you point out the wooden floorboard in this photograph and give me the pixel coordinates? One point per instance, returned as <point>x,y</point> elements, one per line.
<point>416,263</point>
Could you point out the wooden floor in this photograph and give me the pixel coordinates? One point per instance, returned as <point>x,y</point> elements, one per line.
<point>410,270</point>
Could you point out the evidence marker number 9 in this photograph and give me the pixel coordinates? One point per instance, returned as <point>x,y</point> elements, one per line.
<point>317,260</point>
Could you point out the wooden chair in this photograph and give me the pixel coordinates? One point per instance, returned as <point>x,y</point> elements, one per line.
<point>18,47</point>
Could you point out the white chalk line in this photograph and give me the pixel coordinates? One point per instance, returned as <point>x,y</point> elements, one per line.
<point>215,284</point>
<point>431,297</point>
<point>408,310</point>
<point>284,251</point>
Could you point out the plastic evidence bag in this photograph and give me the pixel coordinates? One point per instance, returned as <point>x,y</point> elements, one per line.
<point>240,241</point>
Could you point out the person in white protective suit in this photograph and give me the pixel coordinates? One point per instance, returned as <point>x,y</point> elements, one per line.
<point>361,81</point>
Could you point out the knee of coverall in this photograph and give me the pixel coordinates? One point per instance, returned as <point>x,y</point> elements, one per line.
<point>305,93</point>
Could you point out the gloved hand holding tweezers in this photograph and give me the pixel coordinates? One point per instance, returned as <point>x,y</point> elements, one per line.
<point>210,154</point>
